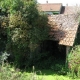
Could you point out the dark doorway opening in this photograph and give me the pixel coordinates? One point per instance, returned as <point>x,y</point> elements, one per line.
<point>55,53</point>
<point>54,49</point>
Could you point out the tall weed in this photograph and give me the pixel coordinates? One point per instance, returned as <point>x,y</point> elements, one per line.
<point>74,61</point>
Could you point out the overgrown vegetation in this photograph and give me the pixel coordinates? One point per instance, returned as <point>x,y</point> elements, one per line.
<point>74,57</point>
<point>74,61</point>
<point>25,29</point>
<point>9,72</point>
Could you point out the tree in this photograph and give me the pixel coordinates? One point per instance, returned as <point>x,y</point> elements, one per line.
<point>27,28</point>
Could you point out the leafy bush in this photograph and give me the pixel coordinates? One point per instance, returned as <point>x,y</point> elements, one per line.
<point>41,60</point>
<point>74,61</point>
<point>25,29</point>
<point>3,31</point>
<point>11,73</point>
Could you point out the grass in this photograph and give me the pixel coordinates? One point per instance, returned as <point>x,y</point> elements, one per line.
<point>11,73</point>
<point>51,75</point>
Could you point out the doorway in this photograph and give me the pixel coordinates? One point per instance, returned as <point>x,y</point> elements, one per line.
<point>53,50</point>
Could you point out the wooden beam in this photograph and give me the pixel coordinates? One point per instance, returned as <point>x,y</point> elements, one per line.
<point>67,52</point>
<point>67,49</point>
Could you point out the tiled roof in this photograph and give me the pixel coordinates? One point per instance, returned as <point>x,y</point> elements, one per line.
<point>63,28</point>
<point>50,6</point>
<point>71,9</point>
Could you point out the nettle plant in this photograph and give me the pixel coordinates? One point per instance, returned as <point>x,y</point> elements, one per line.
<point>74,61</point>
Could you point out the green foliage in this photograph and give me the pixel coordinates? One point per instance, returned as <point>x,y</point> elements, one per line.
<point>3,57</point>
<point>10,6</point>
<point>9,72</point>
<point>3,31</point>
<point>39,60</point>
<point>74,61</point>
<point>25,29</point>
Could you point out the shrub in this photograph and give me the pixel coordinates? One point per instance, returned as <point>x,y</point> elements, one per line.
<point>25,28</point>
<point>74,61</point>
<point>11,73</point>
